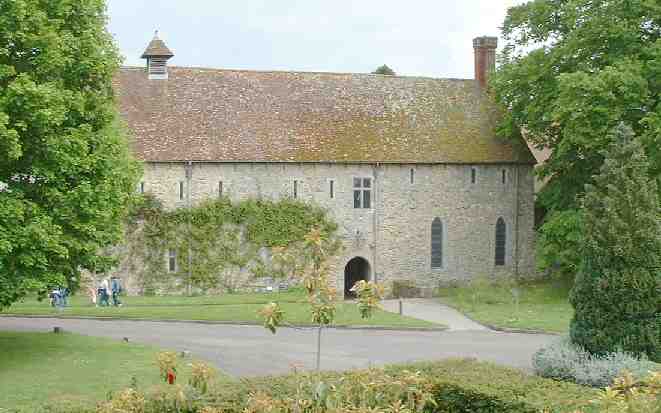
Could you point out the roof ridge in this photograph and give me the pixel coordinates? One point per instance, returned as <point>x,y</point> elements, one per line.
<point>214,69</point>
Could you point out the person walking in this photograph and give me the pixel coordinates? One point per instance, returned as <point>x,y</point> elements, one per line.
<point>104,293</point>
<point>116,288</point>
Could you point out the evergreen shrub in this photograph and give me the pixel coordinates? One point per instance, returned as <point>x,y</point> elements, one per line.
<point>564,360</point>
<point>617,292</point>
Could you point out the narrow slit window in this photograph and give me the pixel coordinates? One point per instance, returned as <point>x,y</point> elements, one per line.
<point>503,177</point>
<point>220,188</point>
<point>473,175</point>
<point>501,241</point>
<point>142,187</point>
<point>181,190</point>
<point>437,243</point>
<point>331,188</point>
<point>412,176</point>
<point>172,260</point>
<point>295,188</point>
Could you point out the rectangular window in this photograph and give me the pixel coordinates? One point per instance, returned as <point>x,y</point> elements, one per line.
<point>362,193</point>
<point>473,175</point>
<point>220,188</point>
<point>331,189</point>
<point>504,176</point>
<point>412,177</point>
<point>172,260</point>
<point>295,189</point>
<point>181,190</point>
<point>142,187</point>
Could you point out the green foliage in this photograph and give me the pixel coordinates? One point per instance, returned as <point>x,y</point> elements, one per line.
<point>563,360</point>
<point>405,289</point>
<point>384,70</point>
<point>223,238</point>
<point>617,293</point>
<point>559,243</point>
<point>459,385</point>
<point>272,315</point>
<point>629,395</point>
<point>65,171</point>
<point>167,364</point>
<point>369,295</point>
<point>570,72</point>
<point>202,376</point>
<point>543,304</point>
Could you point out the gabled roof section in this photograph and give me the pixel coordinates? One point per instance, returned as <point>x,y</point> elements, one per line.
<point>237,116</point>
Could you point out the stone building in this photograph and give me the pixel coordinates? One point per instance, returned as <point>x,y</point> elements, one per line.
<point>409,167</point>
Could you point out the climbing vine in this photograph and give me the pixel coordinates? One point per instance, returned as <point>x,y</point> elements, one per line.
<point>224,239</point>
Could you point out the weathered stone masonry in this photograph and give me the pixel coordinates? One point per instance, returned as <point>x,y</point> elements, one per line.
<point>394,236</point>
<point>427,145</point>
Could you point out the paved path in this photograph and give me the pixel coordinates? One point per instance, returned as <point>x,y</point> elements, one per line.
<point>251,350</point>
<point>430,309</point>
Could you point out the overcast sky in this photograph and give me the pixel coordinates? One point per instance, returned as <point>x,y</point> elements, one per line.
<point>414,37</point>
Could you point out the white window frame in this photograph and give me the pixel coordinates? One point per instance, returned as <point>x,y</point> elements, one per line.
<point>363,189</point>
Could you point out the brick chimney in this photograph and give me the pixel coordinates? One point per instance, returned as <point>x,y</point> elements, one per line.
<point>485,58</point>
<point>157,55</point>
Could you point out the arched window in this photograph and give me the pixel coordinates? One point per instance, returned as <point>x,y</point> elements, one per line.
<point>437,243</point>
<point>501,240</point>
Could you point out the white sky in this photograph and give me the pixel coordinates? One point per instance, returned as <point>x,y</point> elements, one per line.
<point>414,37</point>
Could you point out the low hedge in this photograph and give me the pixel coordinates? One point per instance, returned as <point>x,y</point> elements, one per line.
<point>465,385</point>
<point>459,385</point>
<point>455,386</point>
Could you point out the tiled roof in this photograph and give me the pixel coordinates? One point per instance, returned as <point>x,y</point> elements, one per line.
<point>231,115</point>
<point>157,48</point>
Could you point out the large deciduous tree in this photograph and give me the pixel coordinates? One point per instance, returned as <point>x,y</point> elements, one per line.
<point>617,293</point>
<point>571,71</point>
<point>65,170</point>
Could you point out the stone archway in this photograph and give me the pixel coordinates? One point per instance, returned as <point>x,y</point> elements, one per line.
<point>356,269</point>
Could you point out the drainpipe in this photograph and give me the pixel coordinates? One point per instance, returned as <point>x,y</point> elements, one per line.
<point>375,221</point>
<point>516,225</point>
<point>189,180</point>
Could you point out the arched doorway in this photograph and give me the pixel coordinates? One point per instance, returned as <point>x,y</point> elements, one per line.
<point>356,269</point>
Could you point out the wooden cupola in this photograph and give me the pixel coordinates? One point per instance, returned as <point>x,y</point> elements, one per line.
<point>157,55</point>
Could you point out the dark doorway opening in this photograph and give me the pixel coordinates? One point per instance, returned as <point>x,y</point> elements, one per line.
<point>357,269</point>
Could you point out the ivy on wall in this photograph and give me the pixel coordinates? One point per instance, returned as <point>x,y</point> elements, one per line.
<point>224,239</point>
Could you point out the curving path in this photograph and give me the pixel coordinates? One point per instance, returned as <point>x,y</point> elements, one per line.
<point>252,350</point>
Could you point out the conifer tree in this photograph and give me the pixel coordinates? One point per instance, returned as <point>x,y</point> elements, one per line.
<point>617,294</point>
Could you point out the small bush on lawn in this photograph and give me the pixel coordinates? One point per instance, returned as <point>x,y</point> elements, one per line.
<point>564,360</point>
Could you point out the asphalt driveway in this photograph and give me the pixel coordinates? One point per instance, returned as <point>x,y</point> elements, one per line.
<point>252,350</point>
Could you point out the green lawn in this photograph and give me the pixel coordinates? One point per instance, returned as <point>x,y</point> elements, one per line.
<point>229,307</point>
<point>543,305</point>
<point>39,367</point>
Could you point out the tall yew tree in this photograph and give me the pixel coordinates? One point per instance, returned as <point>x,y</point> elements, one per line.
<point>65,170</point>
<point>572,70</point>
<point>617,293</point>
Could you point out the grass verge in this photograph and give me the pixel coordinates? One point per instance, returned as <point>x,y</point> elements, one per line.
<point>39,368</point>
<point>543,304</point>
<point>225,308</point>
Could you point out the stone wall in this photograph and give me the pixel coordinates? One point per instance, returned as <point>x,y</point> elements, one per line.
<point>393,235</point>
